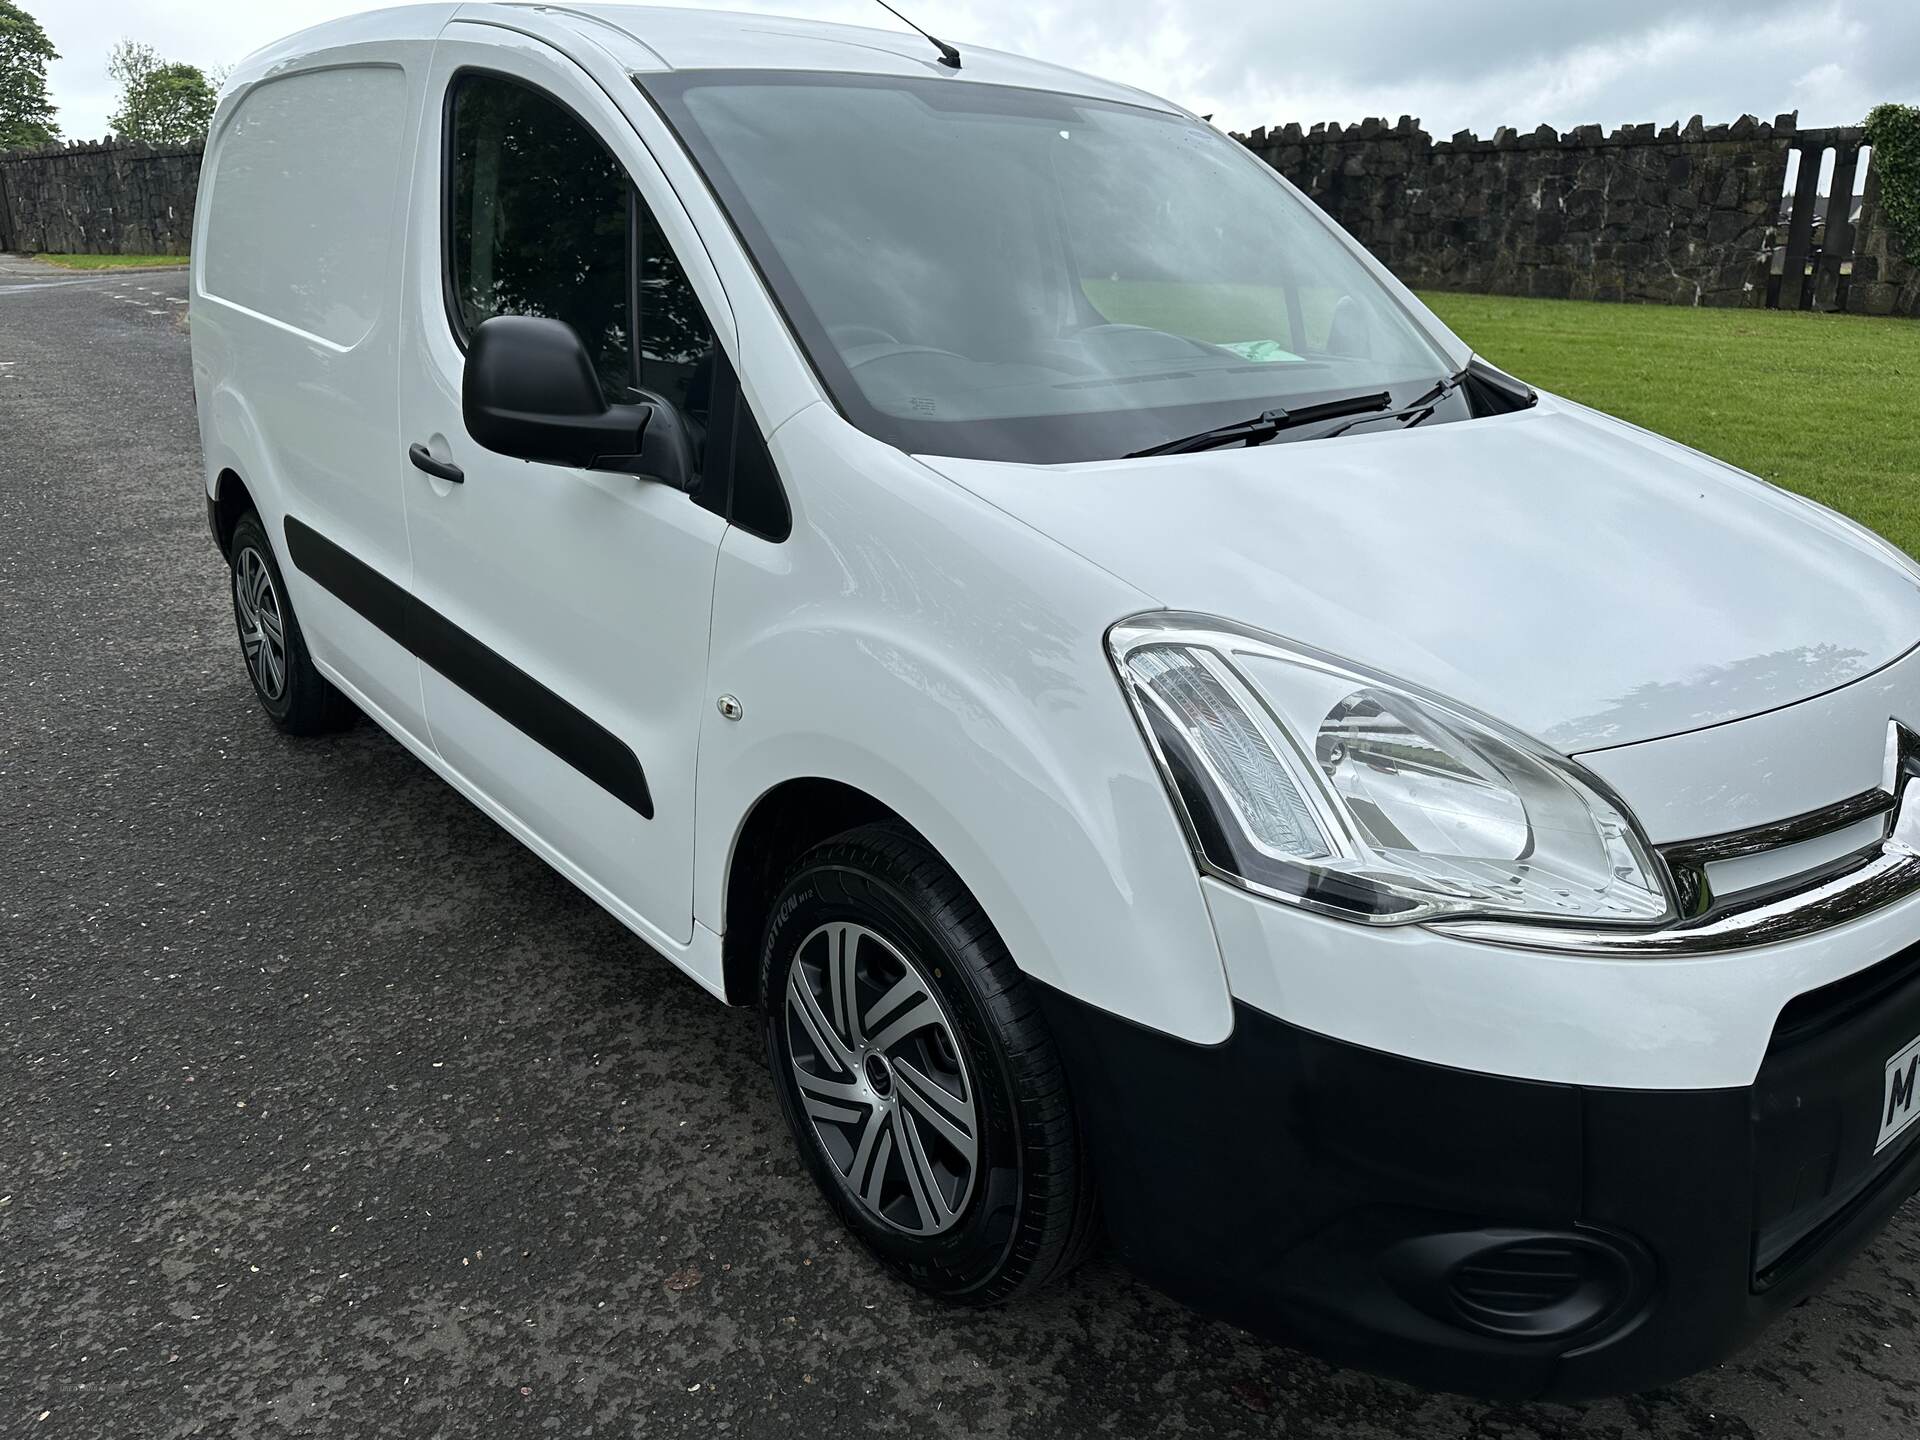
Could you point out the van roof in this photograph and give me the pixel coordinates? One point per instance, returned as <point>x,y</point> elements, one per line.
<point>677,39</point>
<point>647,38</point>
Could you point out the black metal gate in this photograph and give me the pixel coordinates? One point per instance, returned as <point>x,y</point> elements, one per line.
<point>1813,259</point>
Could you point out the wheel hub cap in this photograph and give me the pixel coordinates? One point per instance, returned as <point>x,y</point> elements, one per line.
<point>882,1078</point>
<point>263,632</point>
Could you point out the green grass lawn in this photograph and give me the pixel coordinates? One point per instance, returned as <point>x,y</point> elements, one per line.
<point>112,262</point>
<point>1828,405</point>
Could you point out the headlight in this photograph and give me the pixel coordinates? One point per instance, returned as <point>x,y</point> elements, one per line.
<point>1331,787</point>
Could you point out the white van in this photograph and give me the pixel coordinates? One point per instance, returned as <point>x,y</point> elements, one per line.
<point>960,556</point>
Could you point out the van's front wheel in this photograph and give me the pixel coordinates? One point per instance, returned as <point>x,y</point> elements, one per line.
<point>915,1071</point>
<point>294,694</point>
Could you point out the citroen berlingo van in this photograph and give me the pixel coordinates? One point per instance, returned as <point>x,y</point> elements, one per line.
<point>959,556</point>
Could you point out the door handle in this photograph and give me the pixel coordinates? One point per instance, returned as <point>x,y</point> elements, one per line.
<point>440,469</point>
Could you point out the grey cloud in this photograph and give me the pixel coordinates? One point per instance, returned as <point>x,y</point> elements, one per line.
<point>1482,65</point>
<point>1459,65</point>
<point>1410,44</point>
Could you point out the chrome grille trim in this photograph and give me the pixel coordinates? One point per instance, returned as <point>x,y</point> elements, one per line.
<point>1811,826</point>
<point>1687,860</point>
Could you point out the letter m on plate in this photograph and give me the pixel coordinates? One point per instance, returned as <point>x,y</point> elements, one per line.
<point>1897,1108</point>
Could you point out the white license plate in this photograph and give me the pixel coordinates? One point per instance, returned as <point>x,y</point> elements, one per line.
<point>1898,1107</point>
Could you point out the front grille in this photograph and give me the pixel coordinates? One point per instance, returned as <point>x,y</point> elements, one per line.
<point>1718,873</point>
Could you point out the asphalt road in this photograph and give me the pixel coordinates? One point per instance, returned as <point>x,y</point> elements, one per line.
<point>328,1109</point>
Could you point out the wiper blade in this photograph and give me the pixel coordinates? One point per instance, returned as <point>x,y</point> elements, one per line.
<point>1410,415</point>
<point>1267,424</point>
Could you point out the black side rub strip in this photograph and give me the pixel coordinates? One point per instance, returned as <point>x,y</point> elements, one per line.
<point>496,682</point>
<point>351,580</point>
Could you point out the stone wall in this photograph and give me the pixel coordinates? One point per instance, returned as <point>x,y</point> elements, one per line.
<point>1681,216</point>
<point>1688,215</point>
<point>108,197</point>
<point>1886,275</point>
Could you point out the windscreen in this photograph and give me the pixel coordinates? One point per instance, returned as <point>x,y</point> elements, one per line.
<point>1011,274</point>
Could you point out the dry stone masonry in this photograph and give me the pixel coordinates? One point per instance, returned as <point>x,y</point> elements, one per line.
<point>107,197</point>
<point>1688,215</point>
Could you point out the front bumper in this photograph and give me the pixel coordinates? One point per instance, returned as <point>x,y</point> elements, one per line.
<point>1503,1237</point>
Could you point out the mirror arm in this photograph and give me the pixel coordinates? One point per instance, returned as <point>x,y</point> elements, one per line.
<point>623,429</point>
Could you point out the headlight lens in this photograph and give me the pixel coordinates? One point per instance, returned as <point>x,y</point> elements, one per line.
<point>1330,787</point>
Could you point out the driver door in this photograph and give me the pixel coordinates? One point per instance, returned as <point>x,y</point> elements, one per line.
<point>563,612</point>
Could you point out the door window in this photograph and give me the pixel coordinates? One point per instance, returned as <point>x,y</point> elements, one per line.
<point>537,221</point>
<point>676,343</point>
<point>543,220</point>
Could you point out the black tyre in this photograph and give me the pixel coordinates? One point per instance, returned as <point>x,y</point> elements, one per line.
<point>298,698</point>
<point>917,1075</point>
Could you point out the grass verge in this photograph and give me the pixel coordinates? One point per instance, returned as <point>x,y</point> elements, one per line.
<point>114,262</point>
<point>1828,405</point>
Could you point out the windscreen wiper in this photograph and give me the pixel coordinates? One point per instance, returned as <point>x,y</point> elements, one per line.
<point>1409,415</point>
<point>1267,424</point>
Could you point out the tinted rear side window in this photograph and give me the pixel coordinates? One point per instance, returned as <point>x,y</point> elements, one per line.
<point>538,217</point>
<point>303,199</point>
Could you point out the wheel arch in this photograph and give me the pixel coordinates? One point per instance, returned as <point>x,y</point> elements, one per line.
<point>234,452</point>
<point>784,823</point>
<point>228,501</point>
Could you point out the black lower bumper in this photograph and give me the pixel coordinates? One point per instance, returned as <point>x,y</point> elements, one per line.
<point>1495,1236</point>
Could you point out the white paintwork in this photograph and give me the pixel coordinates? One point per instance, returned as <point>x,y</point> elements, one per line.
<point>1628,1024</point>
<point>323,201</point>
<point>306,420</point>
<point>942,656</point>
<point>932,632</point>
<point>1550,567</point>
<point>648,37</point>
<point>616,617</point>
<point>1768,767</point>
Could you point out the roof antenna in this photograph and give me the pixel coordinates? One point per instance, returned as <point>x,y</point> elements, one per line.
<point>949,56</point>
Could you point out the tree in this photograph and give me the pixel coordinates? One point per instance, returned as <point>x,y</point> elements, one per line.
<point>163,103</point>
<point>26,115</point>
<point>131,62</point>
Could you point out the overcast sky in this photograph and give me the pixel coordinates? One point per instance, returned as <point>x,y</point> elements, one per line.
<point>1471,64</point>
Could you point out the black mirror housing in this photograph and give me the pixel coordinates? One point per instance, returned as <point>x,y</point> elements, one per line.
<point>530,391</point>
<point>666,448</point>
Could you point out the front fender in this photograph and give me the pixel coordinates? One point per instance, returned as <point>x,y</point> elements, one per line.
<point>925,648</point>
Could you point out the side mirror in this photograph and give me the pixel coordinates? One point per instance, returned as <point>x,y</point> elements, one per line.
<point>530,391</point>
